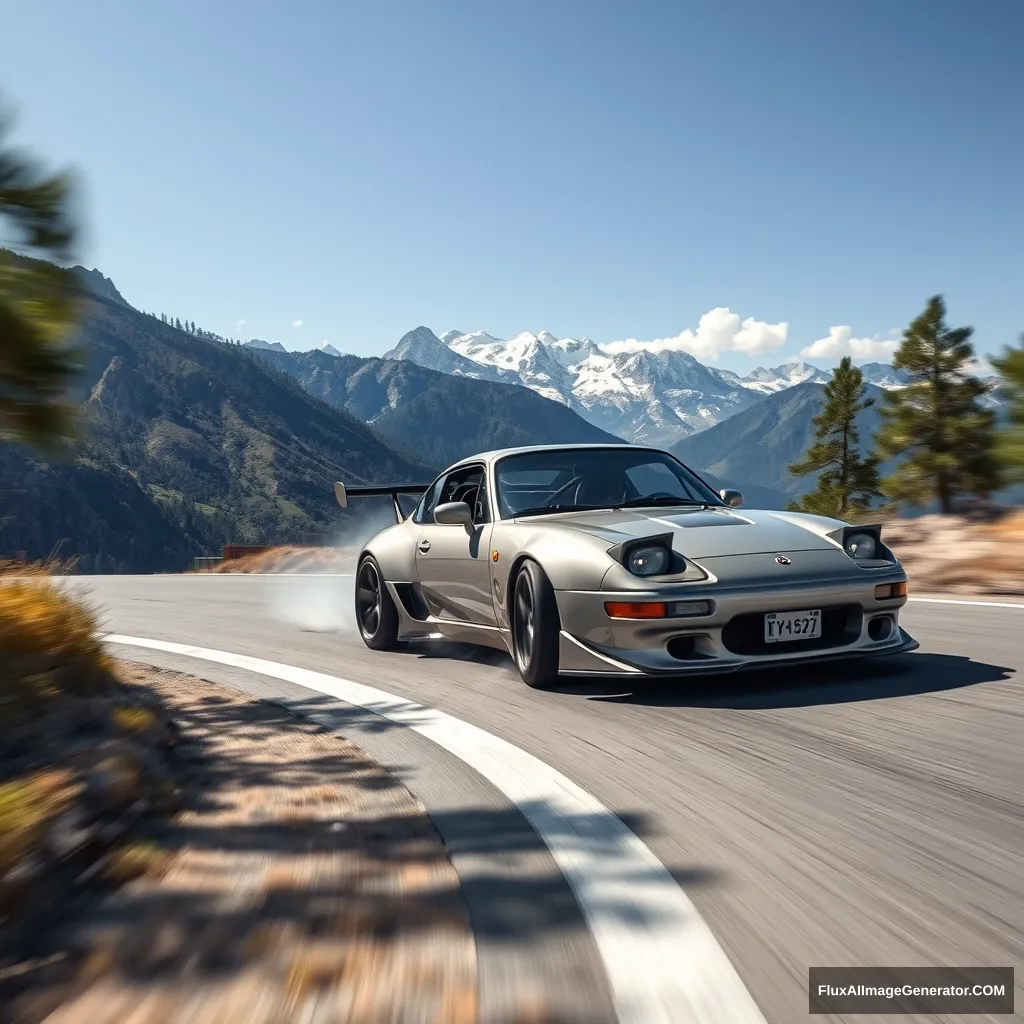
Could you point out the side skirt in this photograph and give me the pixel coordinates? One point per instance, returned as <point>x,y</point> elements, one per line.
<point>415,622</point>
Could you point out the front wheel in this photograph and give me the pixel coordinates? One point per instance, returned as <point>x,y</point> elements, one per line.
<point>376,615</point>
<point>535,627</point>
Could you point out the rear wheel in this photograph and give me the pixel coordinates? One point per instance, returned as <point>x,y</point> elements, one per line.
<point>376,615</point>
<point>534,622</point>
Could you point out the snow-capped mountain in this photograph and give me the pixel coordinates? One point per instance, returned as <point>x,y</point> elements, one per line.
<point>328,349</point>
<point>423,347</point>
<point>777,378</point>
<point>641,396</point>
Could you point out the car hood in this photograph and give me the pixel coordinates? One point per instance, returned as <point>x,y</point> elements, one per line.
<point>702,533</point>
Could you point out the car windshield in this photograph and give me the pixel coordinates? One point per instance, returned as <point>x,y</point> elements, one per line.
<point>575,479</point>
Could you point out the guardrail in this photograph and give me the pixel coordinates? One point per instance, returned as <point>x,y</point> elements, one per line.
<point>205,562</point>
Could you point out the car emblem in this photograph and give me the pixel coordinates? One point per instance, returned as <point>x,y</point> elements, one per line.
<point>783,560</point>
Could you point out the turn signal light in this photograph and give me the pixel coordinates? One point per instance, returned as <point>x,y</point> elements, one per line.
<point>656,609</point>
<point>635,610</point>
<point>886,591</point>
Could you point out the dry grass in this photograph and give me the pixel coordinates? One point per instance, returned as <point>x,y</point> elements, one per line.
<point>41,623</point>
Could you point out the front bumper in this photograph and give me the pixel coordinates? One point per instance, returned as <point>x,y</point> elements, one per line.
<point>730,638</point>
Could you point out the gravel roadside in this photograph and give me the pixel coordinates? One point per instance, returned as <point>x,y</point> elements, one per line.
<point>302,882</point>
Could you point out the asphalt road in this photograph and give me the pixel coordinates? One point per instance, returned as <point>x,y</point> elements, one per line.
<point>846,817</point>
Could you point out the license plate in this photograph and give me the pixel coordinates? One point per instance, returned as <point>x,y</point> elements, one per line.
<point>780,627</point>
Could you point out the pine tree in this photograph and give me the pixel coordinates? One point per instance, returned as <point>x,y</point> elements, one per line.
<point>936,421</point>
<point>39,301</point>
<point>1011,438</point>
<point>177,324</point>
<point>192,327</point>
<point>848,483</point>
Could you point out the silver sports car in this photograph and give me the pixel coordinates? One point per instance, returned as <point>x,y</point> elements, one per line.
<point>617,560</point>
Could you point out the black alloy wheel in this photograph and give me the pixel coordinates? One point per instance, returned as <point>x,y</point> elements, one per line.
<point>375,612</point>
<point>535,627</point>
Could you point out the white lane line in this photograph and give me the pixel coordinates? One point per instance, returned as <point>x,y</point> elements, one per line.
<point>663,964</point>
<point>973,604</point>
<point>204,575</point>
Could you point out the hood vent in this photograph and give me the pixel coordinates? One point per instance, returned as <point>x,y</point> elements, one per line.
<point>692,520</point>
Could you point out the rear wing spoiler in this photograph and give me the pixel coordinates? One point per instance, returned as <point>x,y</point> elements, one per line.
<point>343,493</point>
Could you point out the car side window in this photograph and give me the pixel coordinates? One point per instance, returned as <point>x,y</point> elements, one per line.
<point>466,485</point>
<point>461,485</point>
<point>425,511</point>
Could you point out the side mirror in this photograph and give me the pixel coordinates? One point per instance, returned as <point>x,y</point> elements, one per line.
<point>731,497</point>
<point>454,513</point>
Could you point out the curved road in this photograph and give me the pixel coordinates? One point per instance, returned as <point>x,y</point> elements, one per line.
<point>847,817</point>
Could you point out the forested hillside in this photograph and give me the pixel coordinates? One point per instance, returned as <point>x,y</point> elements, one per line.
<point>186,444</point>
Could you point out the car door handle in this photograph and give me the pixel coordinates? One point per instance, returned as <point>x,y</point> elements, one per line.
<point>424,546</point>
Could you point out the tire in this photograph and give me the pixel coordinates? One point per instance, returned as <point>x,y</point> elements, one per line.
<point>534,626</point>
<point>376,615</point>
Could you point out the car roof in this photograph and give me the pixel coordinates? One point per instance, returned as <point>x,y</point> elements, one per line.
<point>499,453</point>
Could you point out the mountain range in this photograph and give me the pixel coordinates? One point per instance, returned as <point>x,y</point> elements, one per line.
<point>642,396</point>
<point>188,442</point>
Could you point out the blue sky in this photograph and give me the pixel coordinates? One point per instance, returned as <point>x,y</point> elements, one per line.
<point>601,169</point>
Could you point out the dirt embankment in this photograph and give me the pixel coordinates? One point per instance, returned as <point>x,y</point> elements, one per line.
<point>956,554</point>
<point>290,560</point>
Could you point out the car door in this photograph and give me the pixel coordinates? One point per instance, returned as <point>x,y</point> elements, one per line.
<point>452,562</point>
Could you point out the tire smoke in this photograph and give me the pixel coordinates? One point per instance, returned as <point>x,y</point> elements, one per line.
<point>316,594</point>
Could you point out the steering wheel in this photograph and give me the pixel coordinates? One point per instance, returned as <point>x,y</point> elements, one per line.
<point>569,483</point>
<point>664,494</point>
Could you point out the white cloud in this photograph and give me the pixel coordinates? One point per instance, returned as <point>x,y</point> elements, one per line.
<point>719,330</point>
<point>296,323</point>
<point>840,342</point>
<point>241,323</point>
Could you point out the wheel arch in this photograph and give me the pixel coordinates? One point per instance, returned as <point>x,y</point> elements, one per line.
<point>518,562</point>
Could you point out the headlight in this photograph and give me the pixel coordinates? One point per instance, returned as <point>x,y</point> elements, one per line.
<point>861,546</point>
<point>648,561</point>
